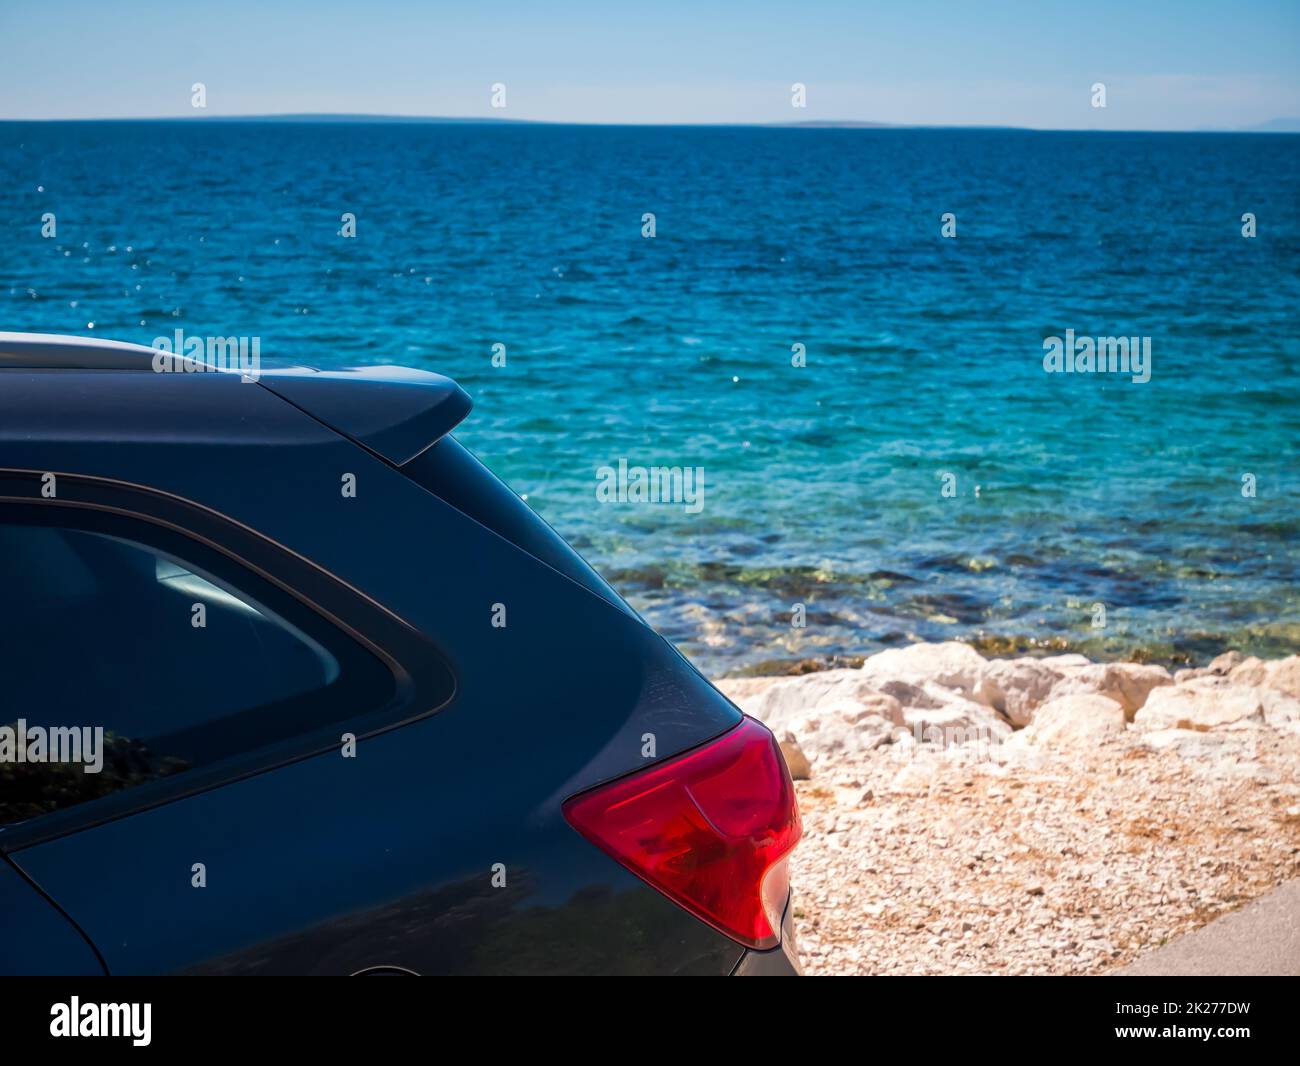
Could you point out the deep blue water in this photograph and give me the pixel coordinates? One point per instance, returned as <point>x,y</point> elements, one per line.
<point>822,483</point>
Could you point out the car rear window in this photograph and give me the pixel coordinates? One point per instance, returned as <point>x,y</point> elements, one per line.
<point>455,475</point>
<point>135,654</point>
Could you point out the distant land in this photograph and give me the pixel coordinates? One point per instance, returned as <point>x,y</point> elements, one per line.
<point>308,116</point>
<point>1276,125</point>
<point>838,124</point>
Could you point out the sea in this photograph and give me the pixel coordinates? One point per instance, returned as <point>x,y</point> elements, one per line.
<point>855,360</point>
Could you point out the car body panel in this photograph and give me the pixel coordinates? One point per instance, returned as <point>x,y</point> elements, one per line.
<point>333,865</point>
<point>780,961</point>
<point>35,939</point>
<point>40,350</point>
<point>392,411</point>
<point>330,866</point>
<point>285,483</point>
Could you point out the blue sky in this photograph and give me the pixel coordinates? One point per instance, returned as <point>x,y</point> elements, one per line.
<point>1166,64</point>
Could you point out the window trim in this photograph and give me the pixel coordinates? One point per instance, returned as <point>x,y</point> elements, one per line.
<point>424,681</point>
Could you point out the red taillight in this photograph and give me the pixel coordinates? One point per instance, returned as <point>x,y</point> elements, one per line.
<point>710,829</point>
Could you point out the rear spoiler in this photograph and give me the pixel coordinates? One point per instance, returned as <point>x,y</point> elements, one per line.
<point>393,411</point>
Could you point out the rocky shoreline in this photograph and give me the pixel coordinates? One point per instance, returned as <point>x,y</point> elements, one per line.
<point>1030,815</point>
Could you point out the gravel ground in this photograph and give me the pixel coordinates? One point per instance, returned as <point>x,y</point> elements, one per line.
<point>1062,862</point>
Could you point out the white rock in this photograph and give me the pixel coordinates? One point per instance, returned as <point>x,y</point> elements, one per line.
<point>795,759</point>
<point>1284,676</point>
<point>944,717</point>
<point>1224,664</point>
<point>1076,719</point>
<point>829,711</point>
<point>1128,684</point>
<point>1251,671</point>
<point>1280,710</point>
<point>1019,752</point>
<point>1218,746</point>
<point>1281,675</point>
<point>916,775</point>
<point>1015,687</point>
<point>1203,703</point>
<point>951,664</point>
<point>1066,663</point>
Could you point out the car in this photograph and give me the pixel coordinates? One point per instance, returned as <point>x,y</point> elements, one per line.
<point>295,685</point>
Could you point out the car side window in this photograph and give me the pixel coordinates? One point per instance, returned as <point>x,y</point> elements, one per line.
<point>133,654</point>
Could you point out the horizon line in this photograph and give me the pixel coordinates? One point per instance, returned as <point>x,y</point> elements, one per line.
<point>1271,126</point>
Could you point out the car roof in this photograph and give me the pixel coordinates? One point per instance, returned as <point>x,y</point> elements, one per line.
<point>52,351</point>
<point>395,412</point>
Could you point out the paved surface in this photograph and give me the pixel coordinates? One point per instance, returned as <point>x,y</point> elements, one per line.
<point>1263,938</point>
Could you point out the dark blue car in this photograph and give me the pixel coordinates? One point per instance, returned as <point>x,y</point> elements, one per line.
<point>293,684</point>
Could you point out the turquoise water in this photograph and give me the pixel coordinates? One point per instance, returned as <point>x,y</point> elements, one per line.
<point>822,483</point>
